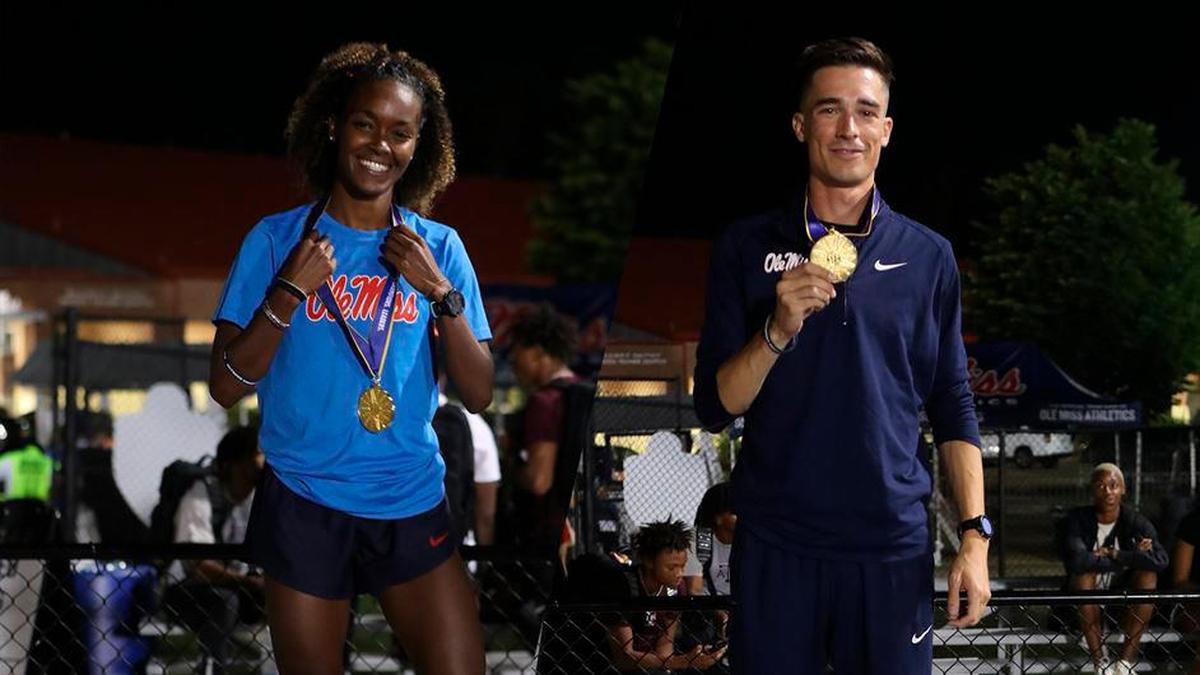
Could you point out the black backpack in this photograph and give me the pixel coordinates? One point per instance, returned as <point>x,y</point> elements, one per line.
<point>576,435</point>
<point>177,479</point>
<point>458,452</point>
<point>704,555</point>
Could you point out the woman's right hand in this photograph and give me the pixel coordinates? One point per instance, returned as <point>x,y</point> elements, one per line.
<point>310,263</point>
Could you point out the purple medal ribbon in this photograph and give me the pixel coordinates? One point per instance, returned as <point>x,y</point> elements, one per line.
<point>370,352</point>
<point>816,228</point>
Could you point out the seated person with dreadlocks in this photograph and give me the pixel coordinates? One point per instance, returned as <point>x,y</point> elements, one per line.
<point>645,641</point>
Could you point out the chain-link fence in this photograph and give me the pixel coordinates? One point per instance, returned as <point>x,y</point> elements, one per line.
<point>87,609</point>
<point>651,461</point>
<point>1046,474</point>
<point>1023,633</point>
<point>80,609</point>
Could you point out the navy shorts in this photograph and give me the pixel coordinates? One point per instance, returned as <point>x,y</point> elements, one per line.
<point>796,614</point>
<point>330,554</point>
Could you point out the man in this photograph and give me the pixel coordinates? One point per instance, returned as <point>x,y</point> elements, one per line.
<point>1107,546</point>
<point>214,595</point>
<point>645,641</point>
<point>543,344</point>
<point>832,560</point>
<point>103,515</point>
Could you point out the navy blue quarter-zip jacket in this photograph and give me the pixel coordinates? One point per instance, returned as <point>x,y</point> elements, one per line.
<point>831,466</point>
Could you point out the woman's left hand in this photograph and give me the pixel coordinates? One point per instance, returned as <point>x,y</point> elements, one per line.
<point>409,256</point>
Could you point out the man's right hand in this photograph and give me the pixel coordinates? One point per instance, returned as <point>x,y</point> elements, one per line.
<point>800,292</point>
<point>310,263</point>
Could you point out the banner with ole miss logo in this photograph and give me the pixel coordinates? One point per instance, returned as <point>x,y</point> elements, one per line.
<point>1016,385</point>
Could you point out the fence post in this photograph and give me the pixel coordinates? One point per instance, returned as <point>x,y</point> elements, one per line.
<point>70,422</point>
<point>57,351</point>
<point>1192,458</point>
<point>1000,501</point>
<point>1137,468</point>
<point>587,525</point>
<point>1117,447</point>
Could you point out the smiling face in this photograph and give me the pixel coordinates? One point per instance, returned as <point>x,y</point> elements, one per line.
<point>844,124</point>
<point>376,138</point>
<point>1108,488</point>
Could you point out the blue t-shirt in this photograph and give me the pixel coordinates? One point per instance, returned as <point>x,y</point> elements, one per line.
<point>830,465</point>
<point>311,434</point>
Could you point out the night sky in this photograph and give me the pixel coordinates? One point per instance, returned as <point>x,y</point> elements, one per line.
<point>226,80</point>
<point>973,97</point>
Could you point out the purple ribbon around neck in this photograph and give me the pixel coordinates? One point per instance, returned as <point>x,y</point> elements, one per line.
<point>370,350</point>
<point>817,229</point>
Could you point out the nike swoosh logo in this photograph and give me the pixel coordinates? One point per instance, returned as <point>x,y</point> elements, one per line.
<point>916,639</point>
<point>435,542</point>
<point>881,266</point>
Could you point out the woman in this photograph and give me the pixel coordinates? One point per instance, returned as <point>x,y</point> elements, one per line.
<point>353,498</point>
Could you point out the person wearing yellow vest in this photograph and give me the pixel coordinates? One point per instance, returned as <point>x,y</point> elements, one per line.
<point>26,473</point>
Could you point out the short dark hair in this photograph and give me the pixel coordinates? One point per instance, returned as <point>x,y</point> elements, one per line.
<point>237,445</point>
<point>717,500</point>
<point>667,535</point>
<point>846,51</point>
<point>546,328</point>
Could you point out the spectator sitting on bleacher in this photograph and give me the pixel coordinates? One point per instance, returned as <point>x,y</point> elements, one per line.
<point>646,641</point>
<point>1107,546</point>
<point>707,568</point>
<point>215,594</point>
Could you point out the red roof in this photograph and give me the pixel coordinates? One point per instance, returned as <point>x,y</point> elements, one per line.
<point>662,289</point>
<point>182,213</point>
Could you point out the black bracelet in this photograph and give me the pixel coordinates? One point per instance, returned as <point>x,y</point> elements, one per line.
<point>791,344</point>
<point>291,288</point>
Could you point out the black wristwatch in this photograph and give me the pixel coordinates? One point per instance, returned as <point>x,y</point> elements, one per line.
<point>451,304</point>
<point>981,524</point>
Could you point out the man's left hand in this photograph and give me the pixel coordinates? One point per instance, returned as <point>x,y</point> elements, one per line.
<point>969,572</point>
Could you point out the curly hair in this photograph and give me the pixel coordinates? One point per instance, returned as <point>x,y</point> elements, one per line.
<point>849,51</point>
<point>543,327</point>
<point>329,91</point>
<point>667,535</point>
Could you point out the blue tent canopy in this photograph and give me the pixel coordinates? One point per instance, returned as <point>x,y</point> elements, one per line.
<point>1016,385</point>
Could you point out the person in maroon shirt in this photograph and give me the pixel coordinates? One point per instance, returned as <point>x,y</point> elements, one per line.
<point>543,343</point>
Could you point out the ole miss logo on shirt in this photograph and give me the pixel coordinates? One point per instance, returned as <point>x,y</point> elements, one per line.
<point>361,300</point>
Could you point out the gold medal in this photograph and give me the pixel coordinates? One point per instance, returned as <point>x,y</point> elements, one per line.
<point>376,409</point>
<point>835,253</point>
